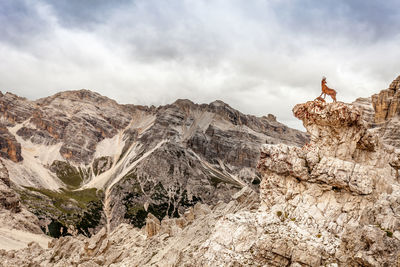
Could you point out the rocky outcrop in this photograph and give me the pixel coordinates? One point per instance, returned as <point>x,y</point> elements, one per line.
<point>158,160</point>
<point>176,242</point>
<point>9,147</point>
<point>332,202</point>
<point>12,214</point>
<point>339,189</point>
<point>386,103</point>
<point>81,119</point>
<point>8,199</point>
<point>381,112</point>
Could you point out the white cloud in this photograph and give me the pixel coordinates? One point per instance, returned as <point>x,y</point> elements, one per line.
<point>246,54</point>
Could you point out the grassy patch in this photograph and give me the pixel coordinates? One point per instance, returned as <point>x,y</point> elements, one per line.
<point>161,203</point>
<point>80,210</point>
<point>82,197</point>
<point>70,175</point>
<point>136,215</point>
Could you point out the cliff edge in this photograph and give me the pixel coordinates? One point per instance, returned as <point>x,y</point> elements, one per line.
<point>333,202</point>
<point>338,195</point>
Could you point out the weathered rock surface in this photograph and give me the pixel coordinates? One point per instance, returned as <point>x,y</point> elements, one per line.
<point>386,103</point>
<point>8,199</point>
<point>9,147</point>
<point>382,113</point>
<point>177,242</point>
<point>18,226</point>
<point>141,159</point>
<point>333,202</point>
<point>339,189</point>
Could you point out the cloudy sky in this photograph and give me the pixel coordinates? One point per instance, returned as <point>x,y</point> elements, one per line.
<point>260,56</point>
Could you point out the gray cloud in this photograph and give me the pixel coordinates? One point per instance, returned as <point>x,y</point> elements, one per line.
<point>260,56</point>
<point>20,23</point>
<point>84,14</point>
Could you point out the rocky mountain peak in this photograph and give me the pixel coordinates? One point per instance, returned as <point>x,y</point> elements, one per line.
<point>82,95</point>
<point>128,161</point>
<point>186,174</point>
<point>386,102</point>
<point>218,103</point>
<point>184,102</point>
<point>337,125</point>
<point>323,204</point>
<point>340,189</point>
<point>395,85</point>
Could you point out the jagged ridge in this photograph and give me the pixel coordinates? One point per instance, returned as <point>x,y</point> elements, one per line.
<point>140,159</point>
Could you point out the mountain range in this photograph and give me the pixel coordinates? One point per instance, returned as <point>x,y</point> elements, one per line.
<point>198,185</point>
<point>81,161</point>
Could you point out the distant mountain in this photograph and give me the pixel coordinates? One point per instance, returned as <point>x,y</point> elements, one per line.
<point>80,161</point>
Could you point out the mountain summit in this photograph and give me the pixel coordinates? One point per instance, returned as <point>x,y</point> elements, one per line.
<point>177,186</point>
<point>81,161</point>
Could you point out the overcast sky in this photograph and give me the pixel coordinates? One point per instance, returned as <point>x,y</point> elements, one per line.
<point>259,56</point>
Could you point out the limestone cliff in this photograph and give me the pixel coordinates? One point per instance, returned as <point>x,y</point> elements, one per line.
<point>83,161</point>
<point>333,202</point>
<point>18,226</point>
<point>386,103</point>
<point>340,189</point>
<point>381,112</point>
<point>9,147</point>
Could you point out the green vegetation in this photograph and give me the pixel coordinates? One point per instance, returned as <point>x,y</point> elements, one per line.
<point>279,213</point>
<point>80,210</point>
<point>82,197</point>
<point>160,206</point>
<point>389,233</point>
<point>136,215</point>
<point>70,175</point>
<point>56,229</point>
<point>135,211</point>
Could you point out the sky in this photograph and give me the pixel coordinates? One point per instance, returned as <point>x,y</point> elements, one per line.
<point>259,56</point>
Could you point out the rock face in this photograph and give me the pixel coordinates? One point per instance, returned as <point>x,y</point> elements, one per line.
<point>8,199</point>
<point>333,202</point>
<point>339,189</point>
<point>382,112</point>
<point>387,113</point>
<point>14,216</point>
<point>140,160</point>
<point>176,242</point>
<point>386,103</point>
<point>9,148</point>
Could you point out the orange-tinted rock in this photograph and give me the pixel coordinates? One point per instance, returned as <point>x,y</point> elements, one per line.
<point>386,103</point>
<point>9,147</point>
<point>381,112</point>
<point>153,225</point>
